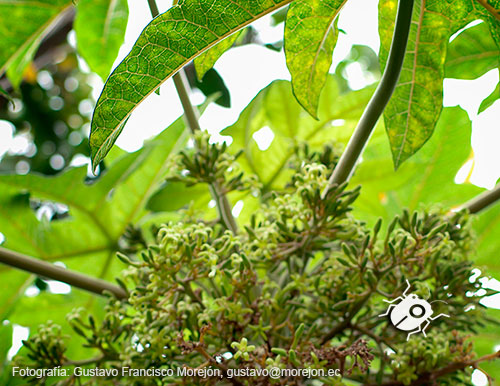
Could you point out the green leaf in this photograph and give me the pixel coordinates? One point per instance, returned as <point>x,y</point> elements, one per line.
<point>472,54</point>
<point>310,37</point>
<point>176,195</point>
<point>100,31</point>
<point>23,24</point>
<point>426,179</point>
<point>168,43</point>
<point>86,240</point>
<point>492,98</point>
<point>207,60</point>
<point>5,342</point>
<point>411,115</point>
<point>276,110</point>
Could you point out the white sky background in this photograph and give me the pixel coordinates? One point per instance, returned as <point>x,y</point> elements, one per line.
<point>248,69</point>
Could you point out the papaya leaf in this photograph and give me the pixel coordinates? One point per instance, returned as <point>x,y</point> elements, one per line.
<point>412,113</point>
<point>20,39</point>
<point>86,239</point>
<point>5,342</point>
<point>275,110</point>
<point>492,98</point>
<point>207,60</point>
<point>168,43</point>
<point>310,37</point>
<point>100,31</point>
<point>472,54</point>
<point>386,192</point>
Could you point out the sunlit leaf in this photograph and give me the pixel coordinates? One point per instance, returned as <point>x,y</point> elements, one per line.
<point>310,37</point>
<point>492,98</point>
<point>472,53</point>
<point>23,24</point>
<point>169,42</point>
<point>285,125</point>
<point>100,30</point>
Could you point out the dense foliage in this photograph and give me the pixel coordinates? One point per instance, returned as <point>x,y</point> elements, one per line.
<point>302,287</point>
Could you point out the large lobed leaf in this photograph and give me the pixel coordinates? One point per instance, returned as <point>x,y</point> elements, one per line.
<point>310,37</point>
<point>169,42</point>
<point>86,240</point>
<point>100,30</point>
<point>275,109</point>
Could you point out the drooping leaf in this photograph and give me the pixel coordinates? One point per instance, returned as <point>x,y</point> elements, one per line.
<point>169,42</point>
<point>207,60</point>
<point>277,113</point>
<point>20,39</point>
<point>411,115</point>
<point>472,54</point>
<point>100,30</point>
<point>492,98</point>
<point>310,37</point>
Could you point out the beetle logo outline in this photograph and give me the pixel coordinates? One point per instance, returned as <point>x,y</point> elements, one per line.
<point>411,313</point>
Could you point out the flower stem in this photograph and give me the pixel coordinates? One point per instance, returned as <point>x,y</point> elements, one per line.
<point>379,100</point>
<point>192,119</point>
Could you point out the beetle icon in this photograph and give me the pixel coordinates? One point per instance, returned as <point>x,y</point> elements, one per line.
<point>411,313</point>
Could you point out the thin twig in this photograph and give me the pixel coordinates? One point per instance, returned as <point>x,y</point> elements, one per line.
<point>54,272</point>
<point>379,100</point>
<point>191,114</point>
<point>482,201</point>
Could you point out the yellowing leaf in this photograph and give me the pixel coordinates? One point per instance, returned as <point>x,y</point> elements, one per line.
<point>310,37</point>
<point>411,114</point>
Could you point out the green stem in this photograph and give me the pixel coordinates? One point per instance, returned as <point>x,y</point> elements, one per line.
<point>482,201</point>
<point>54,272</point>
<point>192,118</point>
<point>379,100</point>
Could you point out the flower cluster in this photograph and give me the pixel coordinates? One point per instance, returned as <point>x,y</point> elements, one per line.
<point>300,287</point>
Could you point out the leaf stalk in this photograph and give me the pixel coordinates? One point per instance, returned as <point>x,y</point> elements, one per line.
<point>54,272</point>
<point>482,201</point>
<point>379,100</point>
